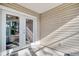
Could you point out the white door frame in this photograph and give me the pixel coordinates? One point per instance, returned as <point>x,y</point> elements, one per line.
<point>34,28</point>
<point>22,18</point>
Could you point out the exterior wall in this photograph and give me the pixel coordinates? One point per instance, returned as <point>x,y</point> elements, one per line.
<point>56,17</point>
<point>24,10</point>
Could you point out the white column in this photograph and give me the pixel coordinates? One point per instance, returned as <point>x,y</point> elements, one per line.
<point>22,41</point>
<point>2,32</point>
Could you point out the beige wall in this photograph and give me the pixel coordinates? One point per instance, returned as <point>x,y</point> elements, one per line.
<point>55,18</point>
<point>24,10</point>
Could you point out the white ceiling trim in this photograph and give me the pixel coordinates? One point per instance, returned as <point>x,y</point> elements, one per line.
<point>40,7</point>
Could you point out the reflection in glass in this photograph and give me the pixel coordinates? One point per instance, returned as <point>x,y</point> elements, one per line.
<point>29,31</point>
<point>12,31</point>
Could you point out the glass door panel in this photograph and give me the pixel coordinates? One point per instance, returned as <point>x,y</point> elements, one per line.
<point>29,30</point>
<point>12,31</point>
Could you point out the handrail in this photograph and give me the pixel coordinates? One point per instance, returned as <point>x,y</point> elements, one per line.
<point>55,49</point>
<point>57,41</point>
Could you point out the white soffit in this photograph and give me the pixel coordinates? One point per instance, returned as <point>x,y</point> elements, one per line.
<point>40,7</point>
